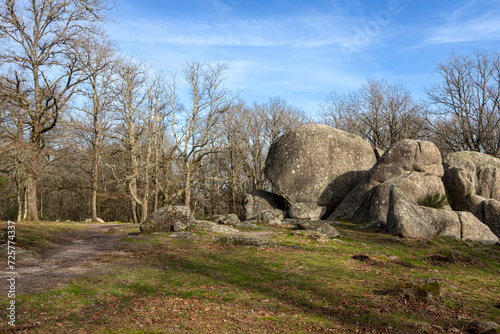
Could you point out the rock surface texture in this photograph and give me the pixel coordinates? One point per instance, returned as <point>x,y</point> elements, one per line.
<point>413,166</point>
<point>256,201</point>
<point>271,217</point>
<point>410,220</point>
<point>407,219</point>
<point>306,211</point>
<point>317,164</point>
<point>204,225</point>
<point>472,180</point>
<point>168,219</point>
<point>320,227</point>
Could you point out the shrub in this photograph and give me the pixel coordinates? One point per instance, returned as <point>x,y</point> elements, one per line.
<point>436,200</point>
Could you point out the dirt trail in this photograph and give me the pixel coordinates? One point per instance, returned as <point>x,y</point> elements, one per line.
<point>75,255</point>
<point>71,255</point>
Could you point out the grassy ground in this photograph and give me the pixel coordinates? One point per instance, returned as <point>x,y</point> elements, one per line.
<point>158,284</point>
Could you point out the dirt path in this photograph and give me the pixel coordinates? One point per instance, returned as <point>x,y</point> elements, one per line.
<point>75,255</point>
<point>71,255</point>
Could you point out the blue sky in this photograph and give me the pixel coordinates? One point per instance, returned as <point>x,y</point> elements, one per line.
<point>303,50</point>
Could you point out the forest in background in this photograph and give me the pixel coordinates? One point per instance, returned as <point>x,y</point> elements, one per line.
<point>86,131</point>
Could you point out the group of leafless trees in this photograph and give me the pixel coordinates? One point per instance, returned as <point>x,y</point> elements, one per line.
<point>88,132</point>
<point>462,112</point>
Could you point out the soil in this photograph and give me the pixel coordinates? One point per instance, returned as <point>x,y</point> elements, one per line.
<point>70,256</point>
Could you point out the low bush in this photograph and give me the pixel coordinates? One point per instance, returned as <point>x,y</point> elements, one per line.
<point>436,200</point>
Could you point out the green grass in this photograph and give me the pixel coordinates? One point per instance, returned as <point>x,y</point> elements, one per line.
<point>197,286</point>
<point>32,235</point>
<point>436,200</point>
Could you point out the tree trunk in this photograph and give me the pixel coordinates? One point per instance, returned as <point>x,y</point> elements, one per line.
<point>32,199</point>
<point>25,213</point>
<point>95,179</point>
<point>95,150</point>
<point>133,206</point>
<point>94,198</point>
<point>187,186</point>
<point>19,199</point>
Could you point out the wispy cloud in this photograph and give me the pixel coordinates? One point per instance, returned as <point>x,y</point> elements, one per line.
<point>295,32</point>
<point>461,27</point>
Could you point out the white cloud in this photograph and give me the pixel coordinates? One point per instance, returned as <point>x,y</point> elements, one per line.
<point>296,32</point>
<point>460,28</point>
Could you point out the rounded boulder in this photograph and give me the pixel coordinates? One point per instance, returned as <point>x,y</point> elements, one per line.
<point>318,164</point>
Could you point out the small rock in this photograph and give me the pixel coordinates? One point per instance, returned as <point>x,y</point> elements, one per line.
<point>271,217</point>
<point>183,235</point>
<point>485,327</point>
<point>246,241</point>
<point>234,218</point>
<point>313,235</point>
<point>247,225</point>
<point>114,230</point>
<point>212,227</point>
<point>320,227</point>
<point>464,319</point>
<point>256,201</point>
<point>222,220</point>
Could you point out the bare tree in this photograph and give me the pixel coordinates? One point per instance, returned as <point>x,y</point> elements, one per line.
<point>154,123</point>
<point>196,132</point>
<point>265,124</point>
<point>340,112</point>
<point>40,40</point>
<point>13,140</point>
<point>247,133</point>
<point>130,90</point>
<point>468,103</point>
<point>379,112</point>
<point>279,117</point>
<point>99,65</point>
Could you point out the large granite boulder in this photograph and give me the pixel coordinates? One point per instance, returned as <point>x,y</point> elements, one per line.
<point>445,222</point>
<point>473,229</point>
<point>472,180</point>
<point>168,219</point>
<point>256,201</point>
<point>408,219</point>
<point>414,166</point>
<point>492,215</point>
<point>317,164</point>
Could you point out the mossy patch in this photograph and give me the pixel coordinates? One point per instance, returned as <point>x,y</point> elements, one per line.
<point>426,289</point>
